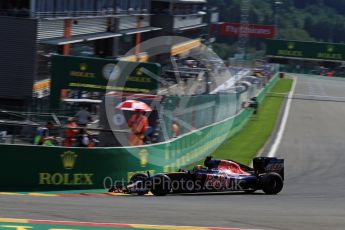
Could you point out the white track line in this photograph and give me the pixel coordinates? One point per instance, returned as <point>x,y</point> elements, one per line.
<point>296,95</point>
<point>282,127</point>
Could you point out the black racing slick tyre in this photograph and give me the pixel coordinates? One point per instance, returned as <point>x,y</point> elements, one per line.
<point>139,177</point>
<point>161,185</point>
<point>272,183</point>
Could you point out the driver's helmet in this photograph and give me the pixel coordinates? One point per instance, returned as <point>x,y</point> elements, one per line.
<point>198,167</point>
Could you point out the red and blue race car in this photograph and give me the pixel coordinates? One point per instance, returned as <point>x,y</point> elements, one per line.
<point>267,175</point>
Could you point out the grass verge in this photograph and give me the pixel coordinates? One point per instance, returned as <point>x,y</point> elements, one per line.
<point>246,144</point>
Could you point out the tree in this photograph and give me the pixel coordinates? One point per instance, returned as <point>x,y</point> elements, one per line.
<point>305,20</point>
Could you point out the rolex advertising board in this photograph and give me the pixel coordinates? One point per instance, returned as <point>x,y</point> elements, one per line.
<point>96,74</point>
<point>306,50</point>
<point>55,168</point>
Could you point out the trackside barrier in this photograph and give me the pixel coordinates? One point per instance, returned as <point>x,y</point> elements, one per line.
<point>261,96</point>
<point>27,167</point>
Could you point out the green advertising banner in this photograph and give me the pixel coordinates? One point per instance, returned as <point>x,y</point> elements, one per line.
<point>306,50</point>
<point>95,74</point>
<point>34,168</point>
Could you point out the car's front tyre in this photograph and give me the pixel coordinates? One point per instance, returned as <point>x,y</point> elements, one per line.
<point>161,185</point>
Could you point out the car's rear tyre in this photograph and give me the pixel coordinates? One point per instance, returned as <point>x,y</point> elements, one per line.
<point>161,185</point>
<point>139,177</point>
<point>272,183</point>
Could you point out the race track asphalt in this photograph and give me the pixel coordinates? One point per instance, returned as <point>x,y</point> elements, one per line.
<point>313,197</point>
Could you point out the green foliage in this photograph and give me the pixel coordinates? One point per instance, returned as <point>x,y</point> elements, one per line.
<point>315,20</point>
<point>223,50</point>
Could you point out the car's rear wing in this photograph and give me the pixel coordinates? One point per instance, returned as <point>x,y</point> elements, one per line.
<point>268,164</point>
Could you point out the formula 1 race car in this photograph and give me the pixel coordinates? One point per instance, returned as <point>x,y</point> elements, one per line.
<point>267,175</point>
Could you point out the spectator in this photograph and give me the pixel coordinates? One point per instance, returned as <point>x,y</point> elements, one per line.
<point>49,141</point>
<point>83,117</point>
<point>70,133</point>
<point>139,125</point>
<point>175,130</point>
<point>42,133</point>
<point>83,139</point>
